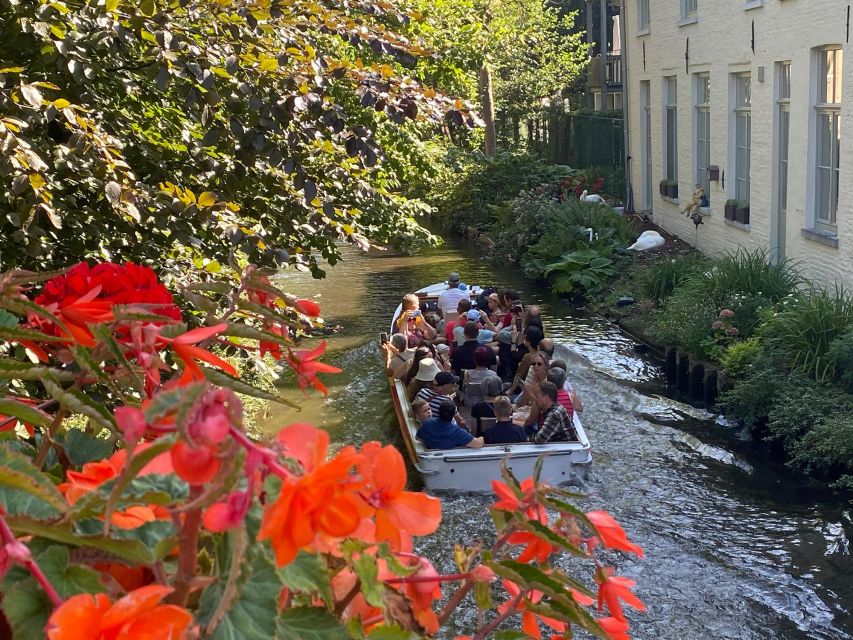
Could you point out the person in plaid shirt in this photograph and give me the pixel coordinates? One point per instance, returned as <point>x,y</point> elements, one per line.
<point>557,425</point>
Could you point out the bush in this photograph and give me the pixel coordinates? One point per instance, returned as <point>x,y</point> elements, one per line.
<point>739,358</point>
<point>841,356</point>
<point>476,183</point>
<point>744,282</point>
<point>805,327</point>
<point>662,278</point>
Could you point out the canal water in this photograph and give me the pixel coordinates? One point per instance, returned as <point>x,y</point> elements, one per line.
<point>736,547</point>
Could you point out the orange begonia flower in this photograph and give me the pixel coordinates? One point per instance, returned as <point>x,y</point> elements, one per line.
<point>396,510</point>
<point>529,623</point>
<point>303,363</point>
<point>612,589</point>
<point>536,549</point>
<point>615,628</point>
<point>137,616</point>
<point>94,474</point>
<point>509,501</point>
<point>183,346</point>
<point>611,534</point>
<point>323,501</point>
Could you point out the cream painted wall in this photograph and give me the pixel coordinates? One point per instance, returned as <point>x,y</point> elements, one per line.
<point>720,43</point>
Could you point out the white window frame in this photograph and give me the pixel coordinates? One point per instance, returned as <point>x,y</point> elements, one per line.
<point>646,143</point>
<point>781,159</point>
<point>643,17</point>
<point>702,113</point>
<point>740,145</point>
<point>670,146</point>
<point>824,206</point>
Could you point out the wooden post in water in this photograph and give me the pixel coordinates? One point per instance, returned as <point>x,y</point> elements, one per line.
<point>683,371</point>
<point>709,396</point>
<point>671,366</point>
<point>697,380</point>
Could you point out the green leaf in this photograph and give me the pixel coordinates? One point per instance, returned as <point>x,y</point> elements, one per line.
<point>169,402</point>
<point>82,447</point>
<point>16,334</point>
<point>392,632</point>
<point>153,540</point>
<point>310,623</point>
<point>25,604</point>
<point>22,482</point>
<point>245,331</point>
<point>251,616</point>
<point>148,8</point>
<point>308,574</point>
<point>368,572</point>
<point>510,635</point>
<point>79,402</point>
<point>23,412</point>
<point>152,488</point>
<point>16,370</point>
<point>7,319</point>
<point>222,379</point>
<point>545,533</point>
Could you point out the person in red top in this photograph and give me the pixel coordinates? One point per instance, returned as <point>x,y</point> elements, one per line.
<point>462,307</point>
<point>558,378</point>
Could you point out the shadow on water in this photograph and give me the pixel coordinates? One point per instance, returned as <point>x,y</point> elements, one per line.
<point>735,547</point>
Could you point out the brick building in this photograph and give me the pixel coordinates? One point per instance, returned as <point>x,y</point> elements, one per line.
<point>748,98</point>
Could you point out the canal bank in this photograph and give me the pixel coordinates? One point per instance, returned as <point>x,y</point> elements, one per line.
<point>735,546</point>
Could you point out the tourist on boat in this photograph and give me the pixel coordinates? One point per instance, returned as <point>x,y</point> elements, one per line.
<point>397,354</point>
<point>539,366</point>
<point>532,337</point>
<point>504,431</point>
<point>423,376</point>
<point>507,359</point>
<point>496,314</point>
<point>450,297</point>
<point>567,385</point>
<point>546,347</point>
<point>421,411</point>
<point>440,432</point>
<point>462,357</point>
<point>492,390</point>
<point>533,318</point>
<point>512,306</point>
<point>557,425</point>
<point>412,323</point>
<point>439,390</point>
<point>557,377</point>
<point>461,309</point>
<point>473,379</point>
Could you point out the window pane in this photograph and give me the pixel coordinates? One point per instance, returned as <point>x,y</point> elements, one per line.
<point>785,81</point>
<point>743,91</point>
<point>823,187</point>
<point>830,76</point>
<point>824,139</point>
<point>642,14</point>
<point>784,118</point>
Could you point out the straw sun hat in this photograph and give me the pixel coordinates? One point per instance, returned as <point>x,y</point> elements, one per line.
<point>427,369</point>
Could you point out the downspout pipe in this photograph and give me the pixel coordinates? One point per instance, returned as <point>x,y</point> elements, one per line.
<point>623,24</point>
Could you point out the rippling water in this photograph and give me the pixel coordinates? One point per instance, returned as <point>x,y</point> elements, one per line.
<point>735,547</point>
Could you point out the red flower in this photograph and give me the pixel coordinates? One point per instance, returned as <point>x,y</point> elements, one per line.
<point>308,307</point>
<point>196,465</point>
<point>611,534</point>
<point>184,347</point>
<point>537,548</point>
<point>137,616</point>
<point>222,516</point>
<point>612,589</point>
<point>615,628</point>
<point>529,623</point>
<point>303,363</point>
<point>397,510</point>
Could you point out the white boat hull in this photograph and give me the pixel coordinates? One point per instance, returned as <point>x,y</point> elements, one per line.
<point>465,469</point>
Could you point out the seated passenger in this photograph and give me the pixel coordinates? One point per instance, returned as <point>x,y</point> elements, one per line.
<point>558,378</point>
<point>439,391</point>
<point>482,358</point>
<point>492,389</point>
<point>504,430</point>
<point>426,372</point>
<point>533,318</point>
<point>532,337</point>
<point>556,426</point>
<point>461,308</point>
<point>441,433</point>
<point>397,354</point>
<point>421,411</point>
<point>546,347</point>
<point>450,297</point>
<point>463,356</point>
<point>496,314</point>
<point>576,398</point>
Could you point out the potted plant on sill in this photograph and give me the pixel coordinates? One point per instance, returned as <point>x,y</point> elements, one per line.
<point>731,209</point>
<point>742,212</point>
<point>662,187</point>
<point>671,189</point>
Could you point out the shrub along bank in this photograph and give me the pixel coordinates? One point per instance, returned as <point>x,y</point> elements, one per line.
<point>787,346</point>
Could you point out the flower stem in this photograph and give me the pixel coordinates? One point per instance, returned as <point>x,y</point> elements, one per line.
<point>454,601</point>
<point>47,440</point>
<point>8,538</point>
<point>268,456</point>
<point>453,577</point>
<point>188,554</point>
<point>498,620</point>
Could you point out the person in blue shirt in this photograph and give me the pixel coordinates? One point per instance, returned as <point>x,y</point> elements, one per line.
<point>440,432</point>
<point>504,431</point>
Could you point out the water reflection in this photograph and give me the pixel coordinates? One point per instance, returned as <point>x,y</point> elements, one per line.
<point>735,547</point>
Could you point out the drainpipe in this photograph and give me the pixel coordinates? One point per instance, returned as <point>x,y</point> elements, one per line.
<point>623,28</point>
<point>602,30</point>
<point>589,99</point>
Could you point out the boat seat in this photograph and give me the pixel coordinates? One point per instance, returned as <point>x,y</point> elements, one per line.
<point>473,390</point>
<point>486,424</point>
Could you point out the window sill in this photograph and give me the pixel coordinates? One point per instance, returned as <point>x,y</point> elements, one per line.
<point>674,201</point>
<point>737,225</point>
<point>706,211</point>
<point>643,32</point>
<point>752,4</point>
<point>683,22</point>
<point>821,237</point>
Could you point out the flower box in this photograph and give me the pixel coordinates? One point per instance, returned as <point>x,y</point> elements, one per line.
<point>742,214</point>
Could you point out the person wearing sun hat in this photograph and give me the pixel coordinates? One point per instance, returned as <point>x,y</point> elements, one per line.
<point>450,297</point>
<point>425,374</point>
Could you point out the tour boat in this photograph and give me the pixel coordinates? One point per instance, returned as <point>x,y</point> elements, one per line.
<point>466,469</point>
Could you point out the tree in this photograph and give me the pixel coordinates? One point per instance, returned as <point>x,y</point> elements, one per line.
<point>189,129</point>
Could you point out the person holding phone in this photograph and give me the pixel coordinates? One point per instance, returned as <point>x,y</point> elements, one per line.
<point>411,322</point>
